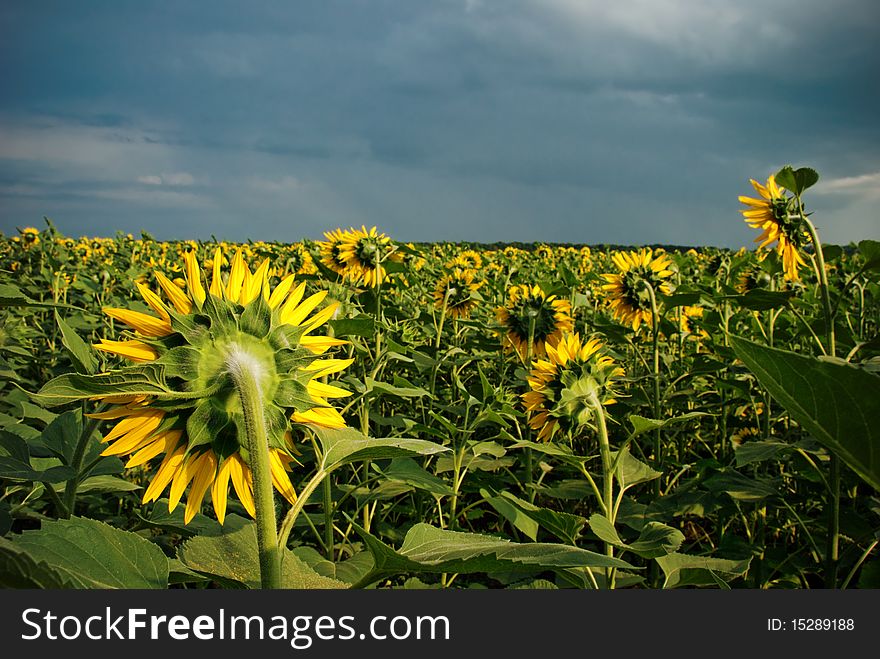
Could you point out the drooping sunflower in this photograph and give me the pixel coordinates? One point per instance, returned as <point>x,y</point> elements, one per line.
<point>775,215</point>
<point>530,311</point>
<point>181,400</point>
<point>364,251</point>
<point>331,251</point>
<point>454,292</point>
<point>561,386</point>
<point>691,323</point>
<point>627,290</point>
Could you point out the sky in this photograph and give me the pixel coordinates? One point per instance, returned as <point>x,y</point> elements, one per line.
<point>628,122</point>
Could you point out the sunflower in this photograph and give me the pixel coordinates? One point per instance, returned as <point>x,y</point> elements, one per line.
<point>466,260</point>
<point>775,214</point>
<point>528,307</point>
<point>187,358</point>
<point>750,279</point>
<point>691,323</point>
<point>363,252</point>
<point>628,289</point>
<point>561,386</point>
<point>331,251</point>
<point>30,237</point>
<point>453,293</point>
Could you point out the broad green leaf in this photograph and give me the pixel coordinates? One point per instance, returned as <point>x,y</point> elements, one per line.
<point>565,526</point>
<point>643,424</point>
<point>18,569</point>
<point>429,549</point>
<point>73,387</point>
<point>739,487</point>
<point>682,570</point>
<point>16,465</point>
<point>655,539</point>
<point>401,392</point>
<point>91,554</point>
<point>870,250</point>
<point>359,326</point>
<point>407,470</point>
<point>106,483</point>
<point>344,445</point>
<point>82,355</point>
<point>514,514</point>
<point>631,471</point>
<point>796,180</point>
<point>233,560</point>
<point>837,403</point>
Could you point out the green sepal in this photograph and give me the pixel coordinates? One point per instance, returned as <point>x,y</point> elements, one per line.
<point>204,424</point>
<point>256,319</point>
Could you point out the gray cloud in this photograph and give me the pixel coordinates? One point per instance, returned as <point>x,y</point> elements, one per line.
<point>556,120</point>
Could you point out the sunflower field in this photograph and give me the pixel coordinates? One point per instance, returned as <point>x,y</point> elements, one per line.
<point>360,412</point>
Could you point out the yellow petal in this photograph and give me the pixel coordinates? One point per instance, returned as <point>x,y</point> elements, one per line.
<point>154,301</point>
<point>162,443</point>
<point>204,468</point>
<point>194,278</point>
<point>178,298</point>
<point>280,479</point>
<point>320,344</point>
<point>321,390</point>
<point>280,292</point>
<point>137,351</point>
<point>220,489</point>
<point>140,322</point>
<point>295,316</point>
<point>181,479</point>
<point>251,290</point>
<point>165,473</point>
<point>241,481</point>
<point>236,277</point>
<point>217,278</point>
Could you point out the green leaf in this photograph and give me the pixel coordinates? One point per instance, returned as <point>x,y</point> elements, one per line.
<point>796,180</point>
<point>838,404</point>
<point>739,487</point>
<point>81,354</point>
<point>90,554</point>
<point>359,326</point>
<point>181,362</point>
<point>204,424</point>
<point>19,570</point>
<point>143,380</point>
<point>565,526</point>
<point>429,549</point>
<point>630,471</point>
<point>514,514</point>
<point>655,539</point>
<point>760,299</point>
<point>402,392</point>
<point>682,570</point>
<point>643,424</point>
<point>407,470</point>
<point>345,445</point>
<point>106,483</point>
<point>232,559</point>
<point>15,463</point>
<point>870,250</point>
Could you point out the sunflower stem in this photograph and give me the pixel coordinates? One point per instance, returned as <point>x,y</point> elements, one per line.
<point>528,452</point>
<point>655,348</point>
<point>77,462</point>
<point>244,371</point>
<point>290,519</point>
<point>607,479</point>
<point>833,545</point>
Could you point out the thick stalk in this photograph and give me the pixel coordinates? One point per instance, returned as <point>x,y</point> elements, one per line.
<point>245,372</point>
<point>528,451</point>
<point>607,478</point>
<point>290,519</point>
<point>833,545</point>
<point>655,348</point>
<point>328,517</point>
<point>77,462</point>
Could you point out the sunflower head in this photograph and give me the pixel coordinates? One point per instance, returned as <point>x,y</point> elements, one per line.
<point>30,237</point>
<point>181,397</point>
<point>363,251</point>
<point>776,215</point>
<point>691,323</point>
<point>628,289</point>
<point>531,315</point>
<point>454,293</point>
<point>564,387</point>
<point>331,251</point>
<point>466,260</point>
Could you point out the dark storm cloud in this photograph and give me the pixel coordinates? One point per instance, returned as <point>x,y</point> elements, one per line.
<point>555,120</point>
